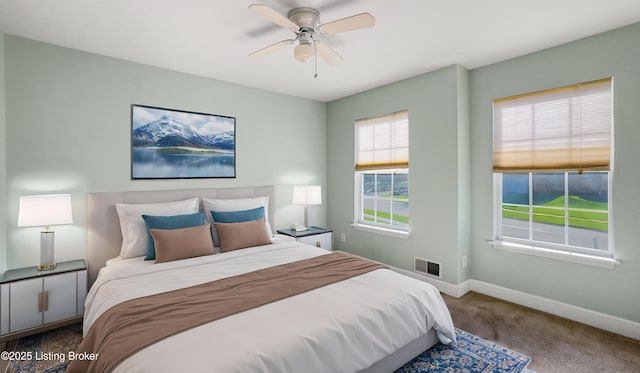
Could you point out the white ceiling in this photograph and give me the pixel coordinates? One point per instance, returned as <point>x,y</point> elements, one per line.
<point>212,38</point>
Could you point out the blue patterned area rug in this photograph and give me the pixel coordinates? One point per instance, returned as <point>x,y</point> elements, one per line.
<point>471,355</point>
<point>45,352</point>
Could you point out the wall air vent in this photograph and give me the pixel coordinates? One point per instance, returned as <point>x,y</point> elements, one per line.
<point>426,267</point>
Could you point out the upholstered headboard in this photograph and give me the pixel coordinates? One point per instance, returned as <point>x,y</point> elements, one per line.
<point>104,236</point>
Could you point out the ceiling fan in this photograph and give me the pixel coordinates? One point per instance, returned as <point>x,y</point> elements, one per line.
<point>305,24</point>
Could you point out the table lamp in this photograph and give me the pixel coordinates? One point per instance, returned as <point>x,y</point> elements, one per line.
<point>44,211</point>
<point>307,196</point>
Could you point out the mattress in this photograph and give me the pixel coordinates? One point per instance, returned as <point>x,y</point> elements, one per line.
<point>343,327</point>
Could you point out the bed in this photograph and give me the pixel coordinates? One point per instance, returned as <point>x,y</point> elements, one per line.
<point>372,322</point>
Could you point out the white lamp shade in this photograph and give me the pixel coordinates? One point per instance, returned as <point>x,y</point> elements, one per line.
<point>45,210</point>
<point>307,195</point>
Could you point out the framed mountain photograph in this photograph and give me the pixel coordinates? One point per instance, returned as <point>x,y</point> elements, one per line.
<point>177,144</point>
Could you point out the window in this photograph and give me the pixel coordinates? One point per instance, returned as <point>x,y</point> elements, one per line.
<point>562,210</point>
<point>382,172</point>
<point>553,169</point>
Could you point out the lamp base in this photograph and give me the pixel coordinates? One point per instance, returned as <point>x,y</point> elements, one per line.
<point>306,216</point>
<point>46,251</point>
<point>46,267</point>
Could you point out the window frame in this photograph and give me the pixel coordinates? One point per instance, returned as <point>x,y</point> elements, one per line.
<point>359,199</point>
<point>384,166</point>
<point>565,252</point>
<point>532,244</point>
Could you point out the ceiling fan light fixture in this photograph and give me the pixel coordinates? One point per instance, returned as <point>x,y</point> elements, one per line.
<point>304,52</point>
<point>305,24</point>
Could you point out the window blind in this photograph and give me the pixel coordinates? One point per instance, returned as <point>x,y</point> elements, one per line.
<point>382,142</point>
<point>562,129</point>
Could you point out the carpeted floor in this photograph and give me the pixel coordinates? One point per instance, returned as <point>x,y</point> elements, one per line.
<point>555,344</point>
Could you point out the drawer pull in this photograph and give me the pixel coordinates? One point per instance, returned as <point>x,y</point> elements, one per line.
<point>45,300</point>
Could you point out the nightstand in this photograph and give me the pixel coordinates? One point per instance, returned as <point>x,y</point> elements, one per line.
<point>33,301</point>
<point>315,236</point>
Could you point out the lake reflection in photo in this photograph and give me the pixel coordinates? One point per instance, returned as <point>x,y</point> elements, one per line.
<point>152,164</point>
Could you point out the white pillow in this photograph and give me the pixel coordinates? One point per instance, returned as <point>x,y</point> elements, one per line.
<point>134,231</point>
<point>236,204</point>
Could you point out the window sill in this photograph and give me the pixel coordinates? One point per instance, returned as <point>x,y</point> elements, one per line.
<point>590,260</point>
<point>380,230</point>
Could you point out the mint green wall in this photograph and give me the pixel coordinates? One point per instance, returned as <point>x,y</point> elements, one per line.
<point>68,130</point>
<point>66,122</point>
<point>437,129</point>
<point>616,54</point>
<point>3,206</point>
<point>451,184</point>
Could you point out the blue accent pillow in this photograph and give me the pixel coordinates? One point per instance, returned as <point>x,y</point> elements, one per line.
<point>238,216</point>
<point>169,222</point>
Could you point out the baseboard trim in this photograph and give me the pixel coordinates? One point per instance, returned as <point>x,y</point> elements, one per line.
<point>596,319</point>
<point>442,286</point>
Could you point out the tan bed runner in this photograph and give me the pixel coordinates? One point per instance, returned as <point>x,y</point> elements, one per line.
<point>130,326</point>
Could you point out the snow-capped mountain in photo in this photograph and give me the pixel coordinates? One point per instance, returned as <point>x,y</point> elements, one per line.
<point>167,132</point>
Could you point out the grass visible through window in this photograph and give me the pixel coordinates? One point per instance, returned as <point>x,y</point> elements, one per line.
<point>369,213</point>
<point>582,213</point>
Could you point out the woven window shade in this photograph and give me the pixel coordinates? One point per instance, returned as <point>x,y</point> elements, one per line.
<point>562,129</point>
<point>383,142</point>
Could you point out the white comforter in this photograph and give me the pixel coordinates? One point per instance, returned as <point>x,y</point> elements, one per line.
<point>343,327</point>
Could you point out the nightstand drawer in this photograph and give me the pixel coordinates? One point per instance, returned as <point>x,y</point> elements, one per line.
<point>32,301</point>
<point>314,236</point>
<point>322,240</point>
<point>25,304</point>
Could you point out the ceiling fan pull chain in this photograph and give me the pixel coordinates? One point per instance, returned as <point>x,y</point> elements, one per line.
<point>315,58</point>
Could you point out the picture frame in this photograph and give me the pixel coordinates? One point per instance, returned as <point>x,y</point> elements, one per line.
<point>178,144</point>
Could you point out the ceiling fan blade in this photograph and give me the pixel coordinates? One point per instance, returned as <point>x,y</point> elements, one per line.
<point>357,22</point>
<point>274,16</point>
<point>271,48</point>
<point>327,54</point>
